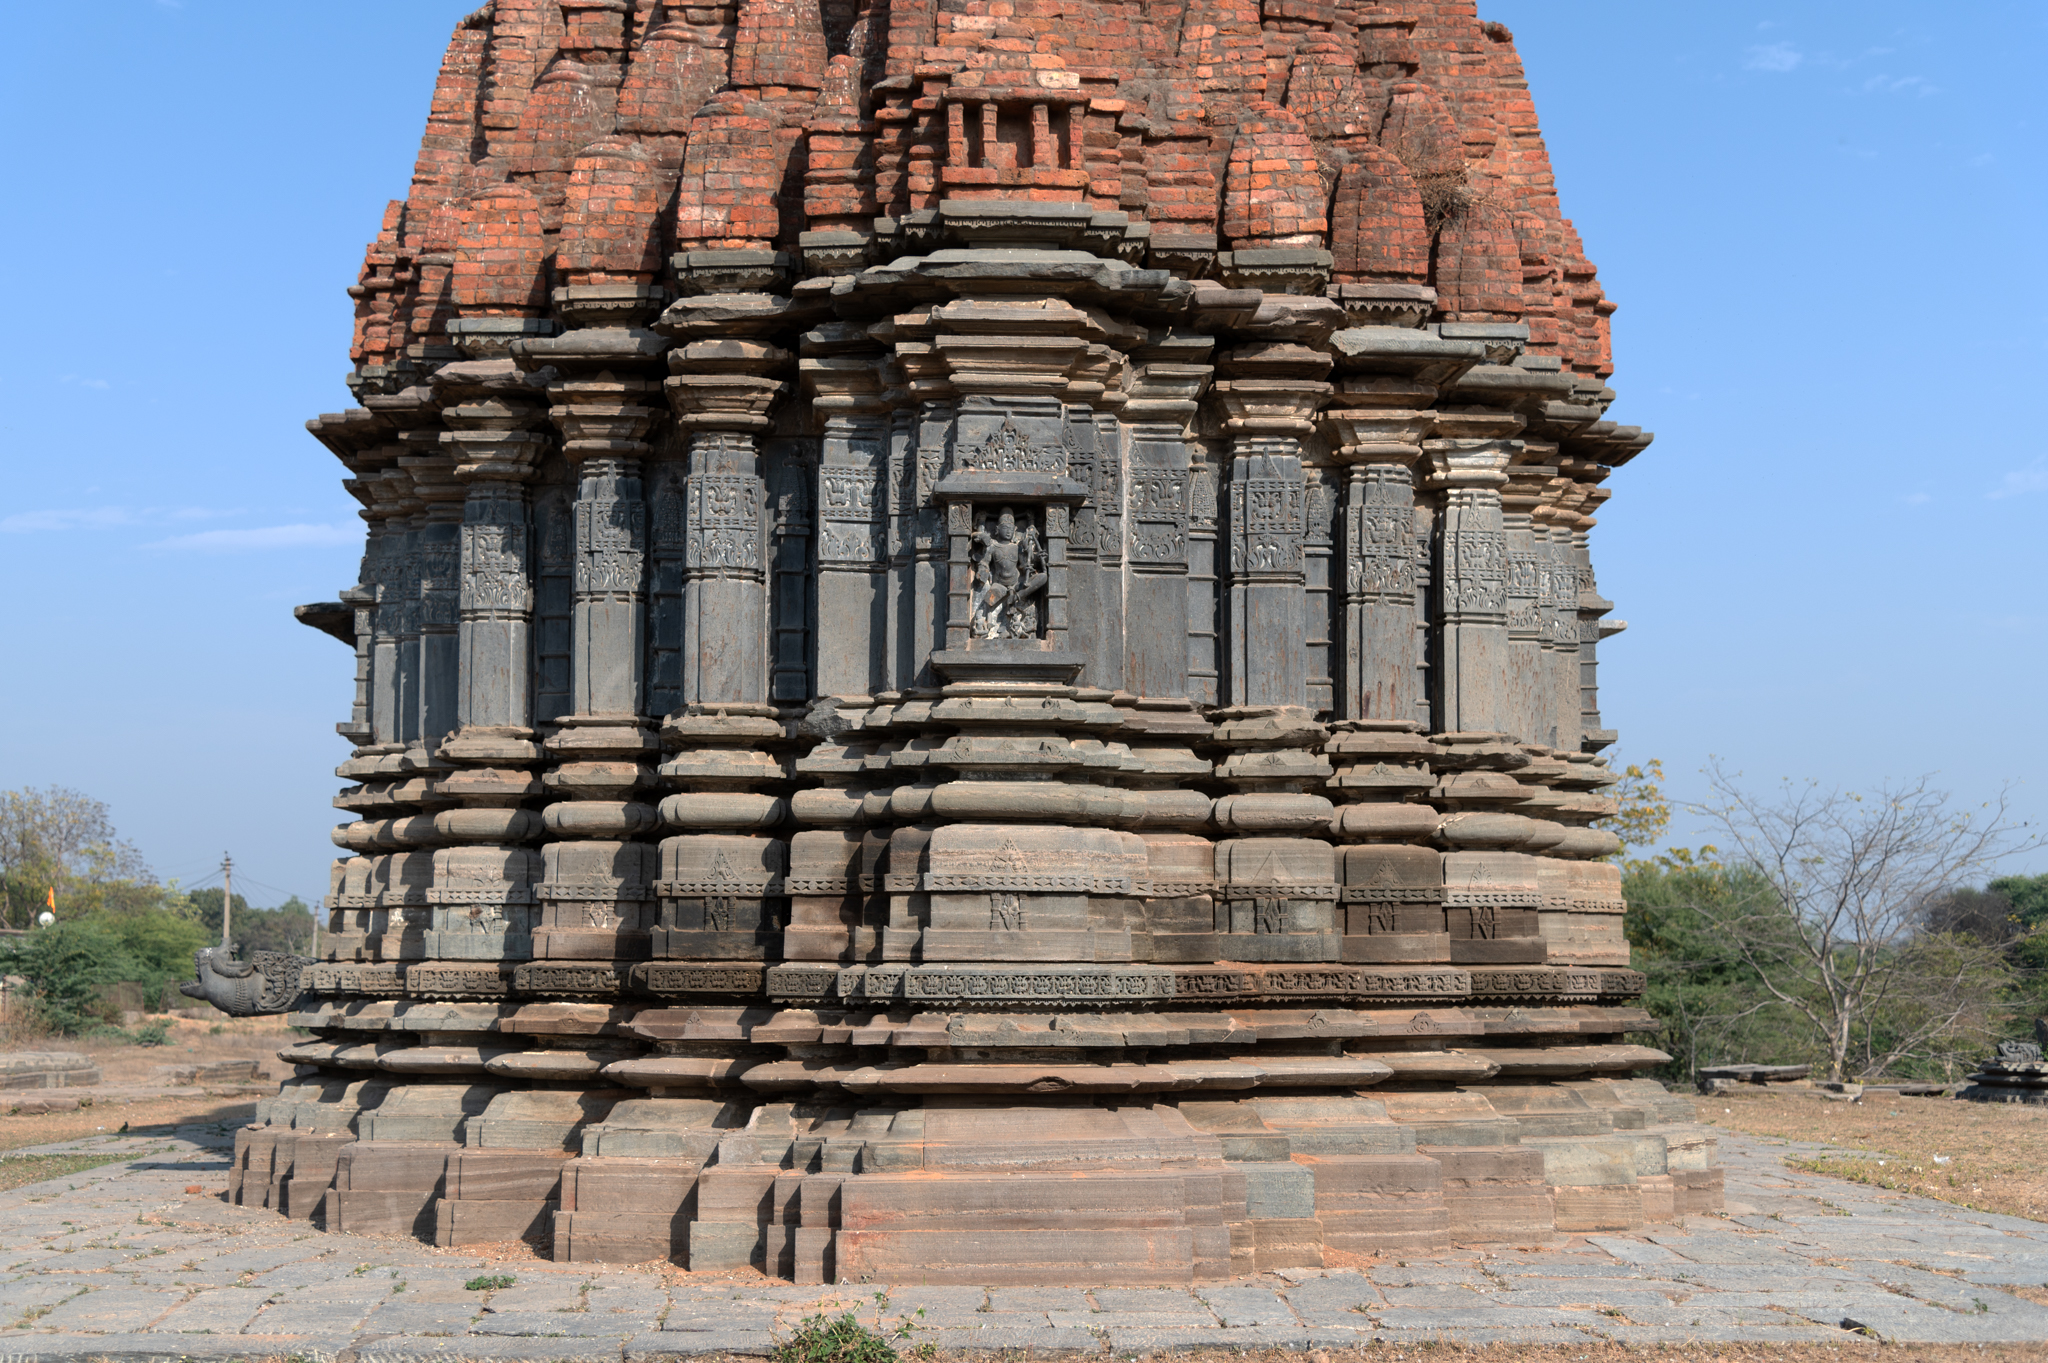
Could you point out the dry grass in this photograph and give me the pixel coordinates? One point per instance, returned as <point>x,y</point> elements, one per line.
<point>25,1169</point>
<point>189,1041</point>
<point>140,1117</point>
<point>126,1065</point>
<point>1592,1351</point>
<point>1991,1152</point>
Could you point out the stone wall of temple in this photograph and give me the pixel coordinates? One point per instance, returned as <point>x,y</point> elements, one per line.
<point>977,650</point>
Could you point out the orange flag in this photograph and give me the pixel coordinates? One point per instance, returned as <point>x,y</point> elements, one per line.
<point>53,899</point>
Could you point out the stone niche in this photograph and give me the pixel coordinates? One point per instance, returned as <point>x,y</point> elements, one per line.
<point>977,656</point>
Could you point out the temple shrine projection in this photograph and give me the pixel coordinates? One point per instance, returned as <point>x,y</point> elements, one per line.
<point>976,658</point>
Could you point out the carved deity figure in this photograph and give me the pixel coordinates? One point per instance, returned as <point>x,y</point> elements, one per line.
<point>1009,578</point>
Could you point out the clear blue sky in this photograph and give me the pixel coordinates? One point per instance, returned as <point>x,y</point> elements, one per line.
<point>1822,224</point>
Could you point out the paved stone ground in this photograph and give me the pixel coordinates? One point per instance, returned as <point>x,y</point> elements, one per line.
<point>119,1262</point>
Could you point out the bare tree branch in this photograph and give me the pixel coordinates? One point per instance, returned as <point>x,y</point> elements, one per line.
<point>1842,929</point>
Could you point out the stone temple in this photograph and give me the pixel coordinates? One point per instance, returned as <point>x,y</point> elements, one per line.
<point>976,656</point>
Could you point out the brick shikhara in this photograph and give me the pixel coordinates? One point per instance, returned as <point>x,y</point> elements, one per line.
<point>976,656</point>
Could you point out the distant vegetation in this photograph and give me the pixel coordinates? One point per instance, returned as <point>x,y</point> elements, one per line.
<point>122,938</point>
<point>1835,929</point>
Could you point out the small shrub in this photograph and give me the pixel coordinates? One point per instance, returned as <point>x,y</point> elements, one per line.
<point>67,965</point>
<point>152,1034</point>
<point>843,1339</point>
<point>489,1282</point>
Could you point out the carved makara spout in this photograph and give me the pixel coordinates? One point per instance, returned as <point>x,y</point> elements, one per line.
<point>268,982</point>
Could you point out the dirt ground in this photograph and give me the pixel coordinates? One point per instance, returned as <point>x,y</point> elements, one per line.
<point>1986,1156</point>
<point>191,1041</point>
<point>1591,1351</point>
<point>128,1066</point>
<point>1601,1351</point>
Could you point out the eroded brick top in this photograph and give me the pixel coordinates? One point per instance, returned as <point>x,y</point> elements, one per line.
<point>588,141</point>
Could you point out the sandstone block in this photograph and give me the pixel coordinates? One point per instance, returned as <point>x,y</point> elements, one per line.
<point>487,1223</point>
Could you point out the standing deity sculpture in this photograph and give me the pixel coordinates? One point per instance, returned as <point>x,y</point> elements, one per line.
<point>1009,578</point>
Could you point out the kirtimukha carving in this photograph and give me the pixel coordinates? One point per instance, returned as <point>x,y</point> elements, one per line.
<point>967,587</point>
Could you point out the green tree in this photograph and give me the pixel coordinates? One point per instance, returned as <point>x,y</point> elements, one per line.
<point>2028,896</point>
<point>158,946</point>
<point>206,910</point>
<point>1840,939</point>
<point>115,923</point>
<point>1713,1008</point>
<point>1642,813</point>
<point>288,927</point>
<point>59,841</point>
<point>67,966</point>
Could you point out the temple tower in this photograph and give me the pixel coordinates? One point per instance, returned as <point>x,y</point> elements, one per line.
<point>976,654</point>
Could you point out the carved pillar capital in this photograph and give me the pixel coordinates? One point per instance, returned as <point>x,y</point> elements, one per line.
<point>1376,435</point>
<point>491,410</point>
<point>728,385</point>
<point>846,383</point>
<point>1455,464</point>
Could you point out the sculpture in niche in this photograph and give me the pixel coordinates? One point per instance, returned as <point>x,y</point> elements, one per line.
<point>1009,578</point>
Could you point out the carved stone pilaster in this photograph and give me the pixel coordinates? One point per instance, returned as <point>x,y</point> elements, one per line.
<point>361,440</point>
<point>854,509</point>
<point>396,688</point>
<point>1584,619</point>
<point>1559,608</point>
<point>1379,448</point>
<point>1269,395</point>
<point>1528,581</point>
<point>596,893</point>
<point>1471,614</point>
<point>383,567</point>
<point>440,582</point>
<point>720,887</point>
<point>1163,390</point>
<point>386,914</point>
<point>485,904</point>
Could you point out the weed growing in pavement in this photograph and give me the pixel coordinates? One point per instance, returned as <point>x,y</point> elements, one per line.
<point>843,1339</point>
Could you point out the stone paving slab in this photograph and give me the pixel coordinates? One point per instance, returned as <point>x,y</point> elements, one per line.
<point>121,1264</point>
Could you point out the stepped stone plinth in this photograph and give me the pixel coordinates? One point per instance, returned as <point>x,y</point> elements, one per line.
<point>976,659</point>
<point>2015,1073</point>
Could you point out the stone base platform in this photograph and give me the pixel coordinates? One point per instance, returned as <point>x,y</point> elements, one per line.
<point>119,1262</point>
<point>47,1070</point>
<point>1004,1147</point>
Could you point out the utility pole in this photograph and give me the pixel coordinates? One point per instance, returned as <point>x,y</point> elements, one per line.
<point>227,895</point>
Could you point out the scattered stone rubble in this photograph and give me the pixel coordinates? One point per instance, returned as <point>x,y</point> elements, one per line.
<point>47,1070</point>
<point>1718,1078</point>
<point>977,656</point>
<point>2014,1074</point>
